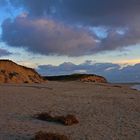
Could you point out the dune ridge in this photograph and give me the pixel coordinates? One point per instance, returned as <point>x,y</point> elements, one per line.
<point>78,77</point>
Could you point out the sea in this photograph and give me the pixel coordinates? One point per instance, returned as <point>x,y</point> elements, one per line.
<point>137,87</point>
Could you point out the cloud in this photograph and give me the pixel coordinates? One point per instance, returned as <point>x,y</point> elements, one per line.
<point>47,36</point>
<point>97,12</point>
<point>115,40</point>
<point>102,12</point>
<point>60,34</point>
<point>113,72</point>
<point>4,52</point>
<point>51,37</point>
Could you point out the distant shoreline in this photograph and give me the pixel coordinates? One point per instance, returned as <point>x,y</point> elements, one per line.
<point>137,87</point>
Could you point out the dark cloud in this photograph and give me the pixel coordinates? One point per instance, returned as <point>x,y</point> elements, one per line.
<point>96,12</point>
<point>4,52</point>
<point>120,18</point>
<point>115,40</point>
<point>113,72</point>
<point>46,36</point>
<point>102,12</point>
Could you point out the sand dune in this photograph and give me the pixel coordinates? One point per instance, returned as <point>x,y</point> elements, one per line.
<point>104,111</point>
<point>78,77</point>
<point>11,72</point>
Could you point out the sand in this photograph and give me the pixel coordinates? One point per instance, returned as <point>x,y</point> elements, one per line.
<point>104,111</point>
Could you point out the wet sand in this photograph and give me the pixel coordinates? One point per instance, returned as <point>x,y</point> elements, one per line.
<point>104,111</point>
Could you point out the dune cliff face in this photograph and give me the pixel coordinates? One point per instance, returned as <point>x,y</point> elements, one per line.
<point>93,78</point>
<point>11,72</point>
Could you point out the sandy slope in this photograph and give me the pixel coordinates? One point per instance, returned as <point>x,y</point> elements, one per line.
<point>105,112</point>
<point>10,72</point>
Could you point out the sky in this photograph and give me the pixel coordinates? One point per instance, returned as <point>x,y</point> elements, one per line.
<point>73,36</point>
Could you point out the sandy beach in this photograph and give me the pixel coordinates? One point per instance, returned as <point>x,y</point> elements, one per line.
<point>104,111</point>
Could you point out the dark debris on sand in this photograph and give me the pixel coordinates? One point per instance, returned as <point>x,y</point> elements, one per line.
<point>65,120</point>
<point>49,136</point>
